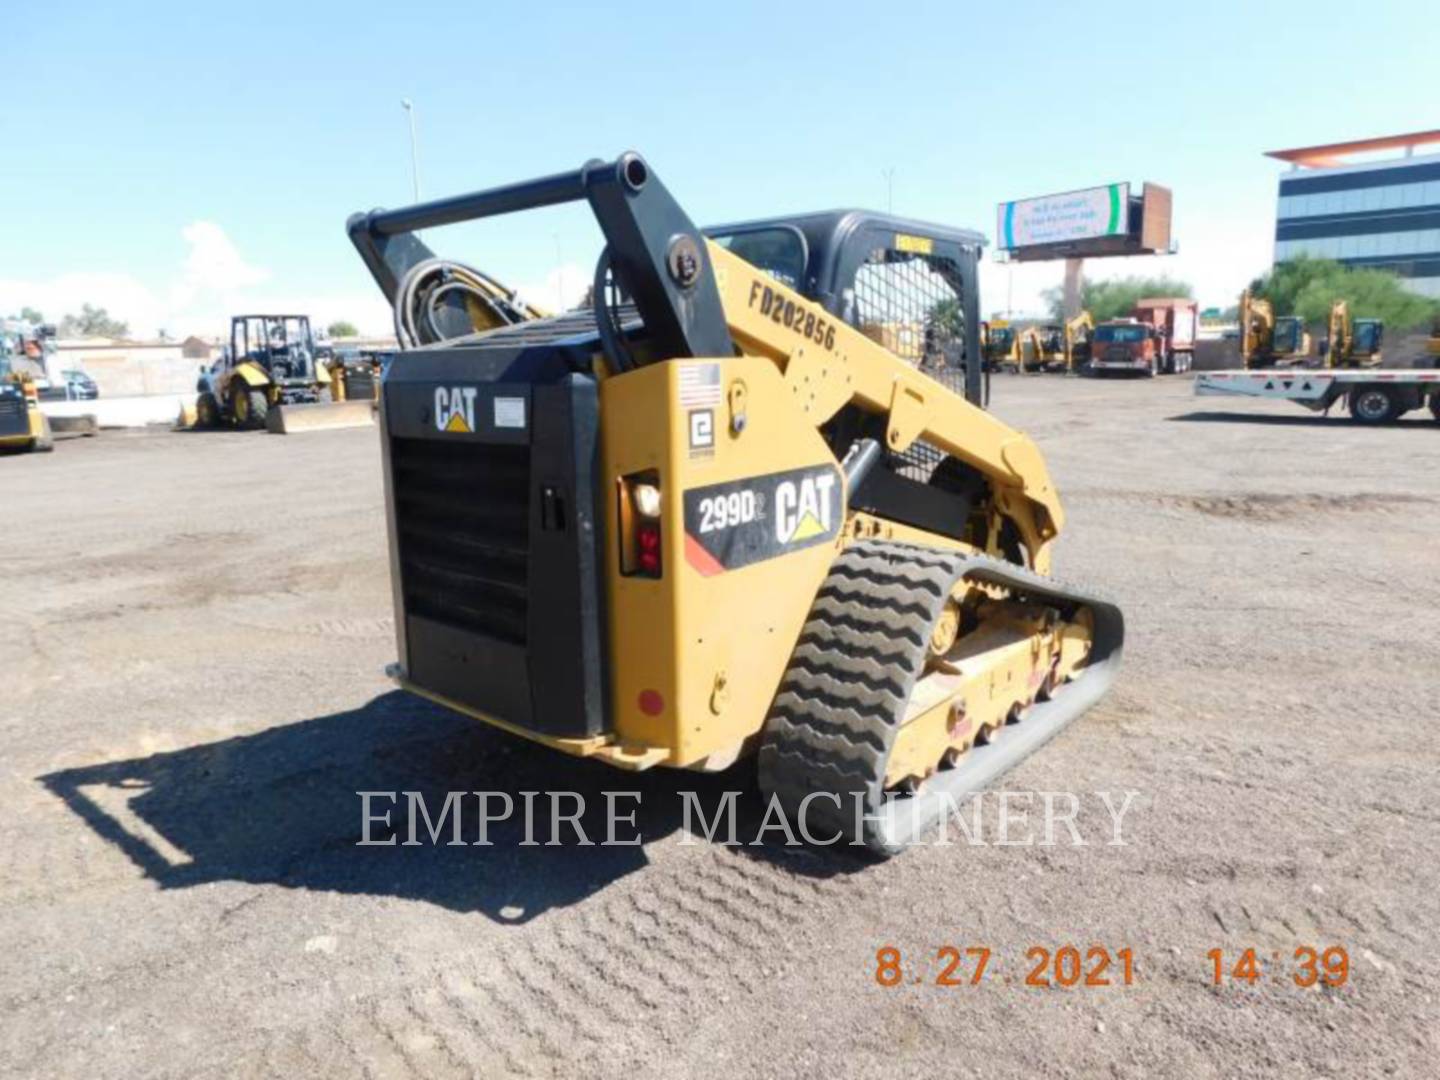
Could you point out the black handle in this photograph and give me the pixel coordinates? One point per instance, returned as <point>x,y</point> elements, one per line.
<point>526,195</point>
<point>643,226</point>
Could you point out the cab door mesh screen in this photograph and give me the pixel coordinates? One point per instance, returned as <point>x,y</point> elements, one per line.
<point>912,305</point>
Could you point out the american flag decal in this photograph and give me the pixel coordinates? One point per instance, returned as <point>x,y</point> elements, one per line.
<point>700,385</point>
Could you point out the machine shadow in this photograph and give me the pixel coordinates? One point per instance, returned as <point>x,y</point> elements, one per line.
<point>282,807</point>
<point>1302,420</point>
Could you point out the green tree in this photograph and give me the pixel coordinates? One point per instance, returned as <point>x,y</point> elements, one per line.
<point>948,316</point>
<point>30,315</point>
<point>93,322</point>
<point>1307,287</point>
<point>1114,299</point>
<point>341,328</point>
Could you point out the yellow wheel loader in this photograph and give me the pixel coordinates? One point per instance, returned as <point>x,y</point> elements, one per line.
<point>712,516</point>
<point>22,425</point>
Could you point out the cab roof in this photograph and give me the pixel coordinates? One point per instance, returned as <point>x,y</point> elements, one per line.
<point>830,225</point>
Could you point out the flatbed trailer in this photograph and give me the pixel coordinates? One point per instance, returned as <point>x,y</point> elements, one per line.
<point>1373,396</point>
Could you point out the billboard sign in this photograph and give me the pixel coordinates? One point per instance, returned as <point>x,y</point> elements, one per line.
<point>1057,219</point>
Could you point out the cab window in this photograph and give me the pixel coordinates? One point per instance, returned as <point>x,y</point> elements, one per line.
<point>1122,335</point>
<point>778,252</point>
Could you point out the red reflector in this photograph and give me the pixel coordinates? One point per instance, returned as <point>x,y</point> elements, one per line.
<point>647,541</point>
<point>651,703</point>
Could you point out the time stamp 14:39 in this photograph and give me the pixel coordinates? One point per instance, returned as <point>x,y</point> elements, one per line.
<point>1099,966</point>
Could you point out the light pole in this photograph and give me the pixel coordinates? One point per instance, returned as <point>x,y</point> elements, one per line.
<point>409,108</point>
<point>889,175</point>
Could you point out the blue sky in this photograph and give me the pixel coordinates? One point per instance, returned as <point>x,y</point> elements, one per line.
<point>173,161</point>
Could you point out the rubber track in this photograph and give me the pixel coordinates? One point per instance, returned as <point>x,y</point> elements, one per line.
<point>842,699</point>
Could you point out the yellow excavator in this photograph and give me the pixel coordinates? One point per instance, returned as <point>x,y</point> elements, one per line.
<point>22,425</point>
<point>711,517</point>
<point>1078,334</point>
<point>1031,351</point>
<point>1042,347</point>
<point>1266,339</point>
<point>1001,344</point>
<point>1351,343</point>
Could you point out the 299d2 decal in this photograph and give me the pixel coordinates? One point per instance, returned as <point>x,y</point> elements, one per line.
<point>740,522</point>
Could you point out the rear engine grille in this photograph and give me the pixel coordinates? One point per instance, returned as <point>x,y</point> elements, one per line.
<point>1117,352</point>
<point>463,514</point>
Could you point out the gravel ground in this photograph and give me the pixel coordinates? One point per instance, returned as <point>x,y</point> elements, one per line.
<point>194,628</point>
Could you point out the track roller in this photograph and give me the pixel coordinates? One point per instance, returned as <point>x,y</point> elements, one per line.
<point>847,692</point>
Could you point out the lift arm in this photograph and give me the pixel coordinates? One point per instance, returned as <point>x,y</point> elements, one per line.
<point>828,364</point>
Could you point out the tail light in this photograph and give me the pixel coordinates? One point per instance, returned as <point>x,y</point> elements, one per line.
<point>641,533</point>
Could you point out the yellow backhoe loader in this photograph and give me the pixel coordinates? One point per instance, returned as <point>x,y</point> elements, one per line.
<point>712,516</point>
<point>1267,340</point>
<point>274,376</point>
<point>1351,343</point>
<point>22,425</point>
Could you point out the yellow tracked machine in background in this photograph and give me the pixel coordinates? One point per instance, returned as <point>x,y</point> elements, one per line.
<point>22,425</point>
<point>1079,332</point>
<point>1267,339</point>
<point>714,515</point>
<point>1351,343</point>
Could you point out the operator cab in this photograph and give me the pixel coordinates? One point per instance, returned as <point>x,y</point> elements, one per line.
<point>1288,336</point>
<point>1368,333</point>
<point>911,286</point>
<point>281,344</point>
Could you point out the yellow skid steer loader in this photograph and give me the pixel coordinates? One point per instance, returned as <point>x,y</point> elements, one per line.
<point>712,515</point>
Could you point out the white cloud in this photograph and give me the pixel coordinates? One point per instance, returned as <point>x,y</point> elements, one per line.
<point>122,295</point>
<point>213,267</point>
<point>213,282</point>
<point>562,289</point>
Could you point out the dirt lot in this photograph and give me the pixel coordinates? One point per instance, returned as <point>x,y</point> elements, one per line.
<point>193,630</point>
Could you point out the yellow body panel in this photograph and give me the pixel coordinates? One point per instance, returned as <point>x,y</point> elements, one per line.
<point>716,674</point>
<point>39,432</point>
<point>252,375</point>
<point>980,682</point>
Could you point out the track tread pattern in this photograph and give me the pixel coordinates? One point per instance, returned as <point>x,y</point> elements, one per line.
<point>844,693</point>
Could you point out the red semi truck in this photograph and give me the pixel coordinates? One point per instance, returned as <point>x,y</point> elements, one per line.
<point>1157,339</point>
